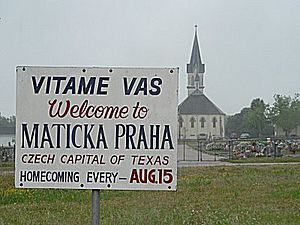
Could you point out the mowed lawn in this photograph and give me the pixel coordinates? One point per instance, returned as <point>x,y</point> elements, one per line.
<point>206,195</point>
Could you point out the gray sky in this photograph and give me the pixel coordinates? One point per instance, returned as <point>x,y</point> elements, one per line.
<point>251,48</point>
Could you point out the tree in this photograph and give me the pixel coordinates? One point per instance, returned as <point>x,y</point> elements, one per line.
<point>12,121</point>
<point>256,119</point>
<point>235,123</point>
<point>252,120</point>
<point>7,122</point>
<point>285,112</point>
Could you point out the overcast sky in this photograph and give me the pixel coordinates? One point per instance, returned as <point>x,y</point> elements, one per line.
<point>251,48</point>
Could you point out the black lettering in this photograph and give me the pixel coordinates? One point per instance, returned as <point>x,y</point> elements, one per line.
<point>70,86</point>
<point>46,137</point>
<point>155,84</point>
<point>37,86</point>
<point>142,138</point>
<point>87,136</point>
<point>127,90</point>
<point>101,85</point>
<point>32,138</point>
<point>120,132</point>
<point>167,138</point>
<point>101,137</point>
<point>86,88</point>
<point>58,83</point>
<point>141,87</point>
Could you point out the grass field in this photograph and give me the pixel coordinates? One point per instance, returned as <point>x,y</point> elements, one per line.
<point>265,160</point>
<point>206,195</point>
<point>7,166</point>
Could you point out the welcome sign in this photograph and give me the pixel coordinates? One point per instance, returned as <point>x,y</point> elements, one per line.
<point>96,128</point>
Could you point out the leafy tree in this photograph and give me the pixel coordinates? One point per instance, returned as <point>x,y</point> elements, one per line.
<point>235,123</point>
<point>256,120</point>
<point>251,119</point>
<point>285,112</point>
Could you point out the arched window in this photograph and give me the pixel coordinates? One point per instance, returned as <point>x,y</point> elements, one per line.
<point>192,80</point>
<point>214,122</point>
<point>202,122</point>
<point>192,120</point>
<point>180,120</point>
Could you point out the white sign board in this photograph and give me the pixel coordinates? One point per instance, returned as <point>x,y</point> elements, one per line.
<point>96,128</point>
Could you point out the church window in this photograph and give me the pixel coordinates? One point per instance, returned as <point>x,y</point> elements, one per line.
<point>192,120</point>
<point>202,122</point>
<point>214,122</point>
<point>180,120</point>
<point>193,81</point>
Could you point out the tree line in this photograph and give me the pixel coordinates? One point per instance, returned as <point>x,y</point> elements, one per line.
<point>7,121</point>
<point>260,118</point>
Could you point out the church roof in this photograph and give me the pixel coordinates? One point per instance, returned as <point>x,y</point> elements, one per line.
<point>198,104</point>
<point>195,60</point>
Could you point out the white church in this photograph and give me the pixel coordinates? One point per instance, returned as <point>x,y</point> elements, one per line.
<point>198,116</point>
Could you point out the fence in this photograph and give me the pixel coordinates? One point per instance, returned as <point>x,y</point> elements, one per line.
<point>201,150</point>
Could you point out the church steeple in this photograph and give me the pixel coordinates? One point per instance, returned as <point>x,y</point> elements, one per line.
<point>195,60</point>
<point>195,69</point>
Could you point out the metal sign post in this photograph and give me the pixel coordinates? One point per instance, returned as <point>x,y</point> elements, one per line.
<point>96,207</point>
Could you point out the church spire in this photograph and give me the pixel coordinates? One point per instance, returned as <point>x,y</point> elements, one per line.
<point>195,69</point>
<point>195,60</point>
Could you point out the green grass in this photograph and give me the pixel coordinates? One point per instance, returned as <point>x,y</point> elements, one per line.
<point>265,160</point>
<point>206,195</point>
<point>7,166</point>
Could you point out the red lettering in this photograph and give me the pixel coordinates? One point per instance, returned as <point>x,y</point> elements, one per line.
<point>154,176</point>
<point>134,177</point>
<point>58,109</point>
<point>74,109</point>
<point>85,110</point>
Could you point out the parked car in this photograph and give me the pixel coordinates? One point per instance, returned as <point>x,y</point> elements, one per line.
<point>233,136</point>
<point>244,136</point>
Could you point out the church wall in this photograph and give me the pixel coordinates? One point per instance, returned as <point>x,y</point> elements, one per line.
<point>206,132</point>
